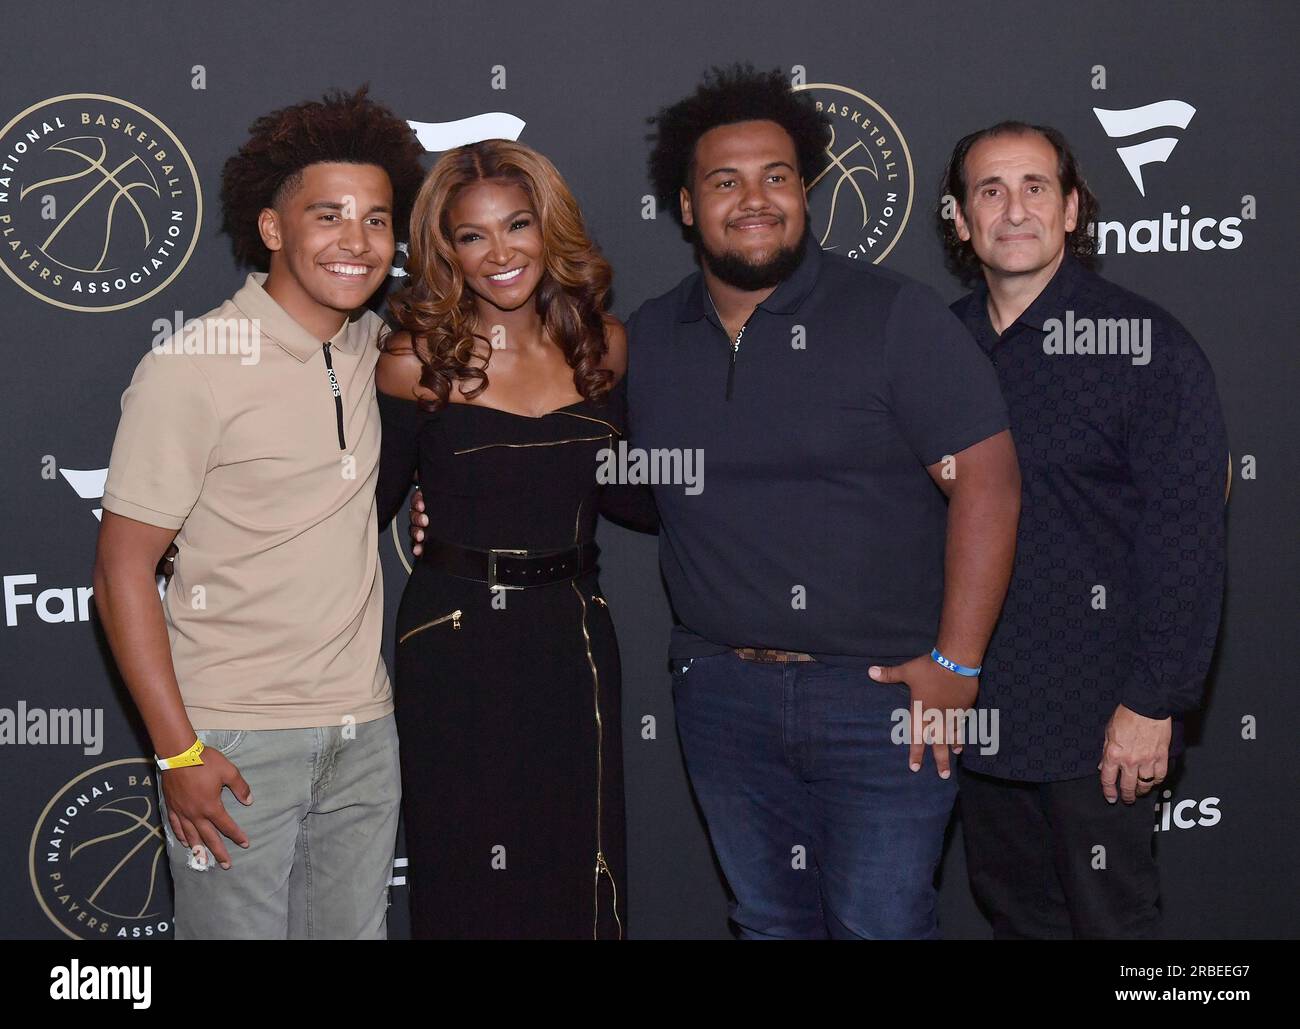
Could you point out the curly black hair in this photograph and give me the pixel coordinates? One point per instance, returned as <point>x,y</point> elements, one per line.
<point>959,255</point>
<point>347,128</point>
<point>727,95</point>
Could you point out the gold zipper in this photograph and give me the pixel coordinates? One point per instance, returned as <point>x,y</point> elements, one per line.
<point>601,864</point>
<point>550,443</point>
<point>455,624</point>
<point>588,418</point>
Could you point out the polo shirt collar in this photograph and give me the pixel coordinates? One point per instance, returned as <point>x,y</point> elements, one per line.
<point>278,325</point>
<point>785,299</point>
<point>1052,300</point>
<point>1048,304</point>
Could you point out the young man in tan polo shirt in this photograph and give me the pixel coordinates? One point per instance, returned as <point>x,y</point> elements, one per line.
<point>251,438</point>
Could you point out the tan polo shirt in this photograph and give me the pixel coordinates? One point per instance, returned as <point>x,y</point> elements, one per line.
<point>275,610</point>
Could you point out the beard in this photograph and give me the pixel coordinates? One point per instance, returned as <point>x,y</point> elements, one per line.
<point>735,270</point>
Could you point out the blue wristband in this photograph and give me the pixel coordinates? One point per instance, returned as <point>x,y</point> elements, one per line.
<point>953,666</point>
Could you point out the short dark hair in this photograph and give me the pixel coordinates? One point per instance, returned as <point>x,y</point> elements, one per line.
<point>960,256</point>
<point>727,95</point>
<point>345,128</point>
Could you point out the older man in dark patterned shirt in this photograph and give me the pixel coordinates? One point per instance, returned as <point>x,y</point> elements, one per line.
<point>1113,609</point>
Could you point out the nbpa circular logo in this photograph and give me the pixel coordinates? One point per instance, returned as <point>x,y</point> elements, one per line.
<point>98,860</point>
<point>860,202</point>
<point>99,202</point>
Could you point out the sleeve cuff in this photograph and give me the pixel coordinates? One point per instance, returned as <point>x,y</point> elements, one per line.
<point>976,432</point>
<point>140,513</point>
<point>1145,706</point>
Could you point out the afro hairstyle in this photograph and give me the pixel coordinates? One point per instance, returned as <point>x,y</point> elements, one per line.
<point>727,95</point>
<point>344,128</point>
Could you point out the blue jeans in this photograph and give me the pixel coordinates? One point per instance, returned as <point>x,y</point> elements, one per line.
<point>819,826</point>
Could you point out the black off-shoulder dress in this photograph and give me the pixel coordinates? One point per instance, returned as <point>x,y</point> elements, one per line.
<point>508,702</point>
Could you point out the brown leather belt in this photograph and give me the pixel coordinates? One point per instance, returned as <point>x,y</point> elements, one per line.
<point>768,654</point>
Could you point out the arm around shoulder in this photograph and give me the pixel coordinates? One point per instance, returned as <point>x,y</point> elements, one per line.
<point>397,378</point>
<point>616,347</point>
<point>399,369</point>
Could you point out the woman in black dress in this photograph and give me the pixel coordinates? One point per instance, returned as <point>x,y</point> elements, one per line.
<point>501,390</point>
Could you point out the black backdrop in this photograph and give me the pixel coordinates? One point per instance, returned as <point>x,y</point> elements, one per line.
<point>78,856</point>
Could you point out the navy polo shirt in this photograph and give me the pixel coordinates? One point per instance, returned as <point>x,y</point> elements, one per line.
<point>1118,580</point>
<point>818,528</point>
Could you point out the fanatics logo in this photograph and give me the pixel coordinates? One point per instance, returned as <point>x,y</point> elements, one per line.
<point>1122,124</point>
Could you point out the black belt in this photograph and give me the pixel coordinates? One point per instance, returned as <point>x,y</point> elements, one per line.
<point>511,569</point>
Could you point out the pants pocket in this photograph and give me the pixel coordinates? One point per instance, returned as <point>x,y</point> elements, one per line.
<point>223,741</point>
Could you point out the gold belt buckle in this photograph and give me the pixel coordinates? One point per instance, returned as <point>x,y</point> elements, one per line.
<point>492,568</point>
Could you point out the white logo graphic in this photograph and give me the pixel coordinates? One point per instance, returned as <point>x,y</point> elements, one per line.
<point>54,605</point>
<point>102,982</point>
<point>88,483</point>
<point>1160,115</point>
<point>1185,814</point>
<point>437,136</point>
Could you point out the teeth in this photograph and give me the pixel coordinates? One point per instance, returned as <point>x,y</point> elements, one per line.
<point>505,276</point>
<point>349,269</point>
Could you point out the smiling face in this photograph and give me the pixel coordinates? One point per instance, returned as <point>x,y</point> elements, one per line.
<point>747,203</point>
<point>331,238</point>
<point>496,235</point>
<point>1014,213</point>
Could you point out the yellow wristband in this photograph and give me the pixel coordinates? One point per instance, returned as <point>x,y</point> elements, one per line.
<point>184,759</point>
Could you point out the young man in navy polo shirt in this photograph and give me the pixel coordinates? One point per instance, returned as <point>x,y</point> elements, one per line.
<point>852,542</point>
